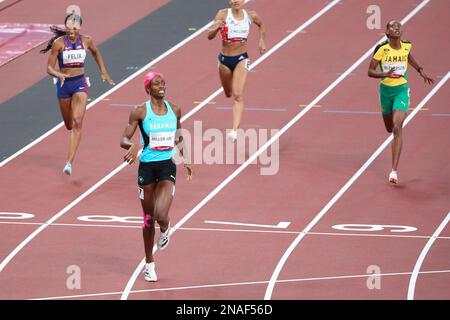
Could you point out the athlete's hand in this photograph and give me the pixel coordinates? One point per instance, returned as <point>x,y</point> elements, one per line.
<point>106,77</point>
<point>426,78</point>
<point>391,74</point>
<point>131,154</point>
<point>61,78</point>
<point>219,24</point>
<point>262,46</point>
<point>190,171</point>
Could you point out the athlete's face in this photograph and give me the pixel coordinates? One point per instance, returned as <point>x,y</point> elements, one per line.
<point>394,29</point>
<point>236,4</point>
<point>158,87</point>
<point>73,28</point>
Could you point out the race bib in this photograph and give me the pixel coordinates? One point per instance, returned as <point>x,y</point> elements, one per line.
<point>162,140</point>
<point>399,67</point>
<point>74,56</point>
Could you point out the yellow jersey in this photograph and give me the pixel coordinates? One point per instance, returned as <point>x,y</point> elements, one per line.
<point>392,58</point>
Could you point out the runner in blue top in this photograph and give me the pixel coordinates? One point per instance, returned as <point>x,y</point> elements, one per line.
<point>159,123</point>
<point>68,48</point>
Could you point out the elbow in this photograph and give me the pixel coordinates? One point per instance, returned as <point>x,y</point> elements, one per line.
<point>49,71</point>
<point>122,143</point>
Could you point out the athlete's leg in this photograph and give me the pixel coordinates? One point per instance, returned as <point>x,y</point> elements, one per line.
<point>65,106</point>
<point>226,78</point>
<point>164,192</point>
<point>388,122</point>
<point>148,230</point>
<point>79,101</point>
<point>398,119</point>
<point>239,80</point>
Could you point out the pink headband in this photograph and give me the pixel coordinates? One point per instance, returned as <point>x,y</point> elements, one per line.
<point>149,77</point>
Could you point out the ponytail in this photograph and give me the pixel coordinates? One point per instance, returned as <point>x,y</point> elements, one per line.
<point>57,33</point>
<point>60,32</point>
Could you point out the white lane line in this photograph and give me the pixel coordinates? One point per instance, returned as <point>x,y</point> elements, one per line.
<point>235,173</point>
<point>123,165</point>
<point>82,225</point>
<point>280,225</point>
<point>415,273</point>
<point>316,219</point>
<point>231,284</point>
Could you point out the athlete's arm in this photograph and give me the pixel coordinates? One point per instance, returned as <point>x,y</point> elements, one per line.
<point>262,30</point>
<point>57,46</point>
<point>126,143</point>
<point>219,23</point>
<point>419,69</point>
<point>373,73</point>
<point>179,142</point>
<point>99,59</point>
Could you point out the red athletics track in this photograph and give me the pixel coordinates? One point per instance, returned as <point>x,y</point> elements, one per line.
<point>236,253</point>
<point>33,64</point>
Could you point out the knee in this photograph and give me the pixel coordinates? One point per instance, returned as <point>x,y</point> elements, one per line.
<point>68,125</point>
<point>238,96</point>
<point>397,129</point>
<point>389,129</point>
<point>161,217</point>
<point>149,222</point>
<point>77,123</point>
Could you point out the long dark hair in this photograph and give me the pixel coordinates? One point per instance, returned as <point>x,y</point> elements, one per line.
<point>60,32</point>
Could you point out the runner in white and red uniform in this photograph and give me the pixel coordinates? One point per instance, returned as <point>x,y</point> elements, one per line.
<point>234,26</point>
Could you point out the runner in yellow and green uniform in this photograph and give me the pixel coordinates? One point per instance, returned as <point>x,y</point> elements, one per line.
<point>393,57</point>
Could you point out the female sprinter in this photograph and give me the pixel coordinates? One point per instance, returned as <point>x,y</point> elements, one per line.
<point>159,123</point>
<point>68,47</point>
<point>393,57</point>
<point>234,24</point>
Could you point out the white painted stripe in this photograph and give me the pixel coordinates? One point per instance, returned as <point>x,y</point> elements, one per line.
<point>255,109</point>
<point>243,166</point>
<point>280,225</point>
<point>316,219</point>
<point>352,112</point>
<point>82,225</point>
<point>441,114</point>
<point>58,215</point>
<point>415,273</point>
<point>231,284</point>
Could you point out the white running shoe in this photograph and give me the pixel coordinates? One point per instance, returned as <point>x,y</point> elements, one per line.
<point>68,168</point>
<point>164,239</point>
<point>232,135</point>
<point>149,272</point>
<point>393,177</point>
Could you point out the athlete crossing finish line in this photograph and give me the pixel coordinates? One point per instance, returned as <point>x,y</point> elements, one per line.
<point>393,56</point>
<point>159,124</point>
<point>234,25</point>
